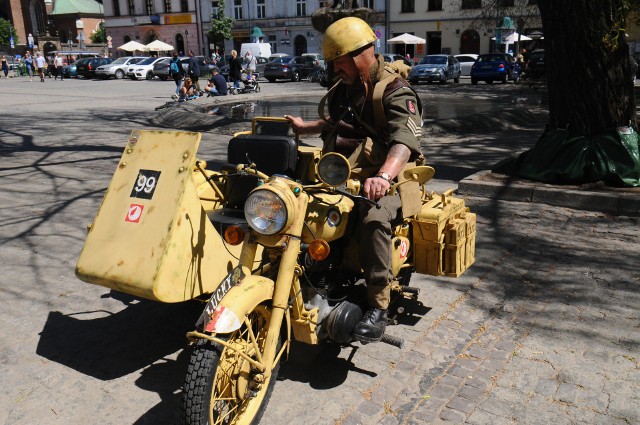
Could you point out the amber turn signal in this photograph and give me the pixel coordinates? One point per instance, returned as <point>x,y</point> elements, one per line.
<point>319,249</point>
<point>234,235</point>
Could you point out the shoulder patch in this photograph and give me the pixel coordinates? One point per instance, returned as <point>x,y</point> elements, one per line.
<point>411,106</point>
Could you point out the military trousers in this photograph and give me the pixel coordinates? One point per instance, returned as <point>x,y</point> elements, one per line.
<point>375,233</point>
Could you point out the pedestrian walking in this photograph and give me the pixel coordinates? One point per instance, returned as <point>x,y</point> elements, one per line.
<point>40,65</point>
<point>194,69</point>
<point>28,62</point>
<point>177,73</point>
<point>5,66</point>
<point>235,69</point>
<point>58,63</point>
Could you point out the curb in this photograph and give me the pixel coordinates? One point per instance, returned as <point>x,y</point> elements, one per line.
<point>486,184</point>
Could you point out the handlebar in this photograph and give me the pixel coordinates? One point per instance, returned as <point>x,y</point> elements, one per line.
<point>358,198</point>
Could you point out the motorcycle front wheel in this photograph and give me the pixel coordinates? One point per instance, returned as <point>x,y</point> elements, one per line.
<point>218,386</point>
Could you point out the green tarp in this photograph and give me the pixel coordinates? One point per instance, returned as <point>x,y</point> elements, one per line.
<point>563,158</point>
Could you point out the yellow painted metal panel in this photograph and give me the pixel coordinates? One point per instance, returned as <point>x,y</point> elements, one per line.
<point>151,237</point>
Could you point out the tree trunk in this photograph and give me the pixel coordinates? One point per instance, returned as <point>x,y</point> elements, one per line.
<point>587,66</point>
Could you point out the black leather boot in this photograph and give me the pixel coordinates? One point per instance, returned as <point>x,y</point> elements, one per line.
<point>372,325</point>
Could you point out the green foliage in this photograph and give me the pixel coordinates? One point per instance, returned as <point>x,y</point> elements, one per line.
<point>220,25</point>
<point>99,35</point>
<point>6,31</point>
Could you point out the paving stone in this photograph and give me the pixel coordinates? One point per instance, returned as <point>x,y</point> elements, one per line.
<point>462,404</point>
<point>442,391</point>
<point>471,393</point>
<point>451,380</point>
<point>460,372</point>
<point>482,417</point>
<point>623,406</point>
<point>369,408</point>
<point>547,387</point>
<point>566,393</point>
<point>453,416</point>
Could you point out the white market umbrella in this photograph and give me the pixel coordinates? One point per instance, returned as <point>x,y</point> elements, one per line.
<point>132,46</point>
<point>405,39</point>
<point>159,46</point>
<point>513,38</point>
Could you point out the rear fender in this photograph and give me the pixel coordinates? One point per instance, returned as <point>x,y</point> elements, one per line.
<point>227,314</point>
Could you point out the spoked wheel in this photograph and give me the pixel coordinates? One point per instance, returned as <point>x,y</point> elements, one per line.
<point>222,387</point>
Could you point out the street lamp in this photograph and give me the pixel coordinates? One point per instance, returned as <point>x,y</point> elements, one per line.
<point>186,42</point>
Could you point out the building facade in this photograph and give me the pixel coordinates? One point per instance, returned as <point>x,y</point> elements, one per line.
<point>459,26</point>
<point>176,22</point>
<point>285,24</point>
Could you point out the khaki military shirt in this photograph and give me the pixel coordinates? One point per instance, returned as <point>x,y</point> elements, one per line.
<point>356,119</point>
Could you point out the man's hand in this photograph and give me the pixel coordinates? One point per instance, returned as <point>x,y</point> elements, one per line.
<point>375,188</point>
<point>296,122</point>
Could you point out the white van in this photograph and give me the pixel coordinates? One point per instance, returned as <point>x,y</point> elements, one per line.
<point>256,49</point>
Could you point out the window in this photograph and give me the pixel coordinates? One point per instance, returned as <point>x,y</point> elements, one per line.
<point>301,7</point>
<point>237,9</point>
<point>408,6</point>
<point>215,8</point>
<point>260,9</point>
<point>367,3</point>
<point>505,3</point>
<point>435,5</point>
<point>149,5</point>
<point>167,6</point>
<point>132,8</point>
<point>471,4</point>
<point>184,5</point>
<point>116,7</point>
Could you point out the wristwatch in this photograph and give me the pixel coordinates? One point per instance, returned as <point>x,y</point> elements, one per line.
<point>384,176</point>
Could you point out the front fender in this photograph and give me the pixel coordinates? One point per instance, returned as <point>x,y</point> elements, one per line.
<point>230,311</point>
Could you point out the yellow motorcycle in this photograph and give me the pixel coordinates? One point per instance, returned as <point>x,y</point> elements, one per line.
<point>270,241</point>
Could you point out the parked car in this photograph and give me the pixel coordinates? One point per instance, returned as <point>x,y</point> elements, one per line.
<point>495,67</point>
<point>276,56</point>
<point>318,58</point>
<point>392,57</point>
<point>440,68</point>
<point>88,68</point>
<point>118,68</point>
<point>161,68</point>
<point>261,63</point>
<point>466,62</point>
<point>535,64</point>
<point>143,69</point>
<point>289,68</point>
<point>72,70</point>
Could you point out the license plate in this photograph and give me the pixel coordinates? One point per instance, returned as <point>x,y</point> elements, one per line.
<point>232,279</point>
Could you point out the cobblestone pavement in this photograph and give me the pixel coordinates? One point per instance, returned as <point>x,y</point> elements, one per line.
<point>544,328</point>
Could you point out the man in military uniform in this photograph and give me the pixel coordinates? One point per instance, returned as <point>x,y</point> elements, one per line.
<point>378,131</point>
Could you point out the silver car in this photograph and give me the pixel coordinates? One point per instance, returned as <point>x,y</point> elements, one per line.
<point>438,68</point>
<point>118,68</point>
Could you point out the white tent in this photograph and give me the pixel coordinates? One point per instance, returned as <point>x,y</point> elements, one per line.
<point>132,46</point>
<point>158,46</point>
<point>513,38</point>
<point>406,38</point>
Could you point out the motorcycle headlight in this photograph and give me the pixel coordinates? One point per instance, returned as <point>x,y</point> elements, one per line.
<point>266,212</point>
<point>334,169</point>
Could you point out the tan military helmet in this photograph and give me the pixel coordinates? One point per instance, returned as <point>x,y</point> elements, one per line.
<point>346,35</point>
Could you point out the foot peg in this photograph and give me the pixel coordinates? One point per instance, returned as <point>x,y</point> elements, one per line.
<point>392,340</point>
